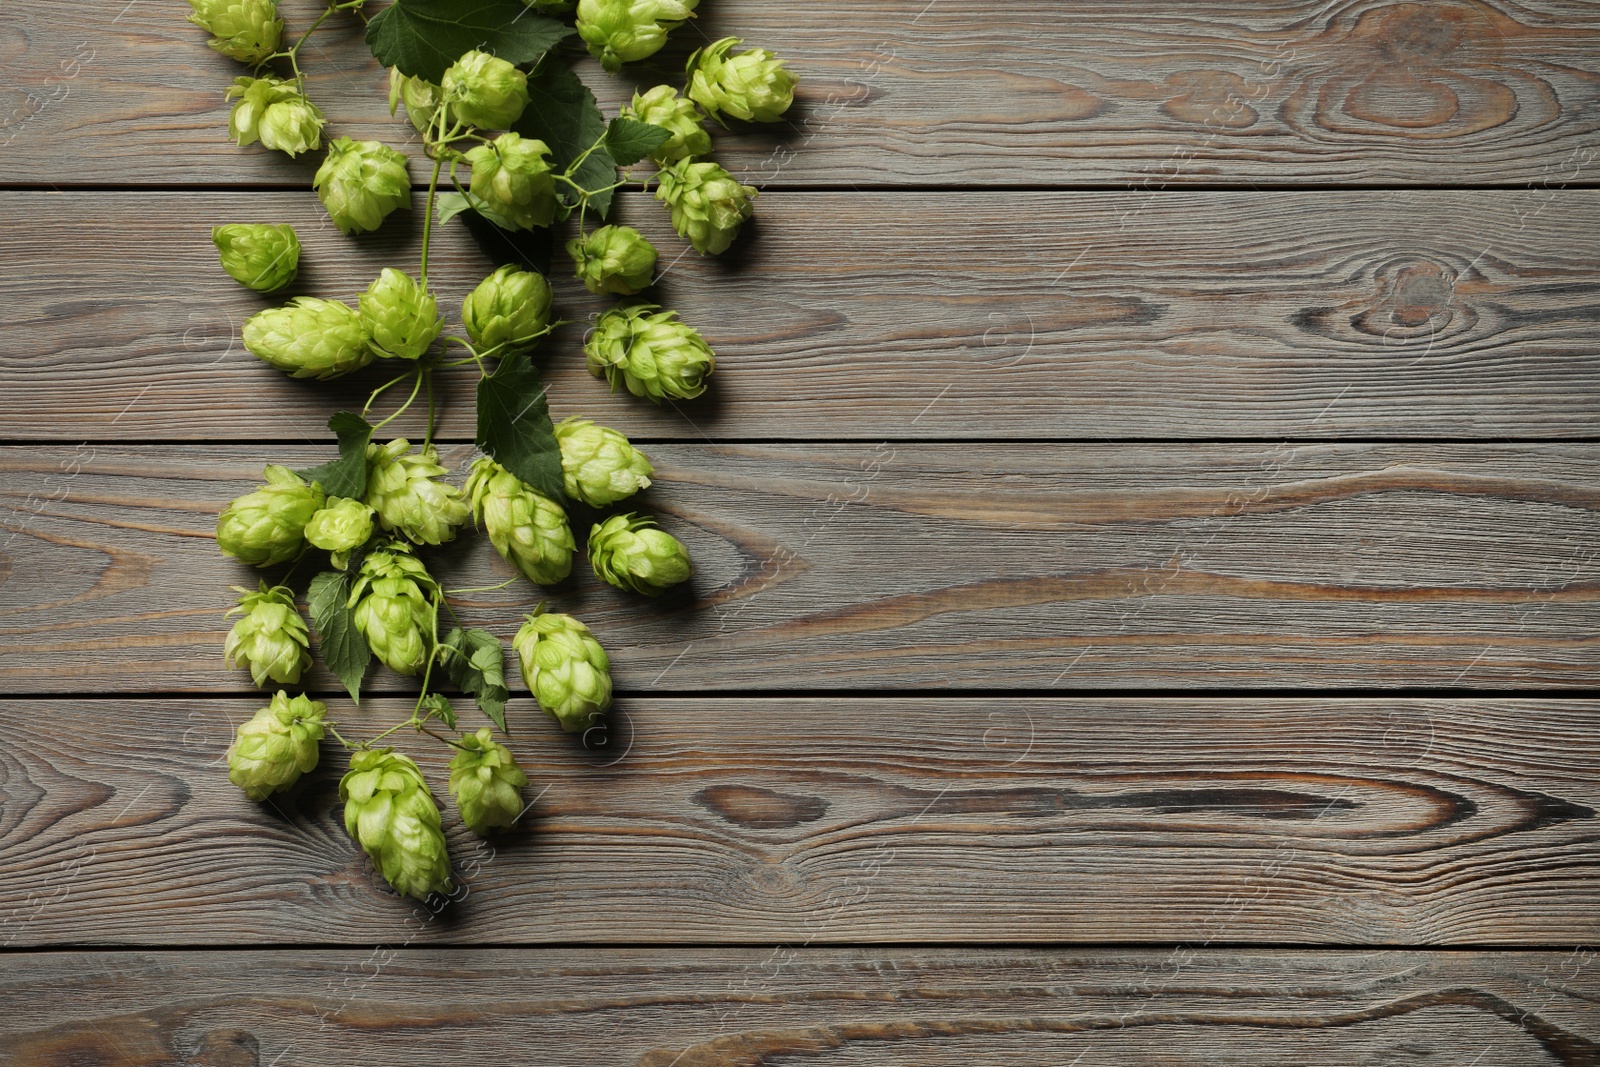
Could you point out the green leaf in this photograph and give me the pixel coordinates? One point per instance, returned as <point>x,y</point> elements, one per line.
<point>476,663</point>
<point>514,424</point>
<point>343,648</point>
<point>424,37</point>
<point>437,705</point>
<point>629,140</point>
<point>448,205</point>
<point>347,475</point>
<point>562,113</point>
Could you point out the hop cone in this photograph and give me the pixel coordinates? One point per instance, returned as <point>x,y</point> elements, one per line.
<point>389,811</point>
<point>271,639</point>
<point>510,309</point>
<point>361,182</point>
<point>512,179</point>
<point>629,552</point>
<point>403,490</point>
<point>485,91</point>
<point>626,31</point>
<point>753,85</point>
<point>401,317</point>
<point>662,106</point>
<point>421,97</point>
<point>599,466</point>
<point>526,527</point>
<point>613,259</point>
<point>274,112</point>
<point>264,258</point>
<point>341,527</point>
<point>277,746</point>
<point>487,783</point>
<point>565,667</point>
<point>246,30</point>
<point>309,338</point>
<point>267,526</point>
<point>707,205</point>
<point>394,609</point>
<point>651,352</point>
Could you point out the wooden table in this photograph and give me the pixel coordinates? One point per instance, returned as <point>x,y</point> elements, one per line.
<point>1148,519</point>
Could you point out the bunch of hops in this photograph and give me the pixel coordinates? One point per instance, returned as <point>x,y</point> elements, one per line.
<point>651,352</point>
<point>388,809</point>
<point>272,639</point>
<point>631,552</point>
<point>626,31</point>
<point>277,746</point>
<point>527,528</point>
<point>264,258</point>
<point>565,668</point>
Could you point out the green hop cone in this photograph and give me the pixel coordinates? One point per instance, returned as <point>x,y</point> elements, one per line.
<point>274,111</point>
<point>630,552</point>
<point>486,782</point>
<point>246,30</point>
<point>707,205</point>
<point>400,316</point>
<point>565,667</point>
<point>626,31</point>
<point>614,259</point>
<point>526,527</point>
<point>753,85</point>
<point>662,106</point>
<point>267,527</point>
<point>421,97</point>
<point>277,745</point>
<point>265,258</point>
<point>272,639</point>
<point>394,609</point>
<point>509,309</point>
<point>340,527</point>
<point>485,91</point>
<point>651,352</point>
<point>599,465</point>
<point>391,814</point>
<point>403,489</point>
<point>512,178</point>
<point>361,183</point>
<point>309,338</point>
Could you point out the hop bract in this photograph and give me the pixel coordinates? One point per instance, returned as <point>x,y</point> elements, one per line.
<point>662,106</point>
<point>651,352</point>
<point>600,466</point>
<point>309,338</point>
<point>391,814</point>
<point>614,259</point>
<point>403,489</point>
<point>753,85</point>
<point>626,31</point>
<point>421,97</point>
<point>274,112</point>
<point>341,527</point>
<point>566,669</point>
<point>246,30</point>
<point>485,91</point>
<point>526,527</point>
<point>278,745</point>
<point>630,552</point>
<point>361,183</point>
<point>272,639</point>
<point>509,310</point>
<point>486,782</point>
<point>707,205</point>
<point>400,315</point>
<point>394,608</point>
<point>267,527</point>
<point>262,257</point>
<point>513,180</point>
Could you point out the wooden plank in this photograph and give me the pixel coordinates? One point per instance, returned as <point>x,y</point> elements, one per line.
<point>720,1008</point>
<point>843,819</point>
<point>921,566</point>
<point>925,92</point>
<point>972,315</point>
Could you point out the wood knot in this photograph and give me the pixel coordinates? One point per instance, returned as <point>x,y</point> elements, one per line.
<point>760,809</point>
<point>1414,300</point>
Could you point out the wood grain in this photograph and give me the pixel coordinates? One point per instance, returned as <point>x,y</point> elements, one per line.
<point>975,315</point>
<point>913,91</point>
<point>840,819</point>
<point>928,566</point>
<point>727,1008</point>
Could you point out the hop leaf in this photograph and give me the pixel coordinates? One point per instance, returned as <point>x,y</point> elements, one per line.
<point>246,30</point>
<point>271,639</point>
<point>404,490</point>
<point>267,527</point>
<point>361,183</point>
<point>486,782</point>
<point>630,552</point>
<point>526,527</point>
<point>264,258</point>
<point>566,669</point>
<point>600,465</point>
<point>309,338</point>
<point>391,814</point>
<point>651,352</point>
<point>512,180</point>
<point>614,259</point>
<point>277,746</point>
<point>400,316</point>
<point>274,111</point>
<point>662,106</point>
<point>509,310</point>
<point>708,206</point>
<point>394,608</point>
<point>477,664</point>
<point>753,85</point>
<point>626,31</point>
<point>484,91</point>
